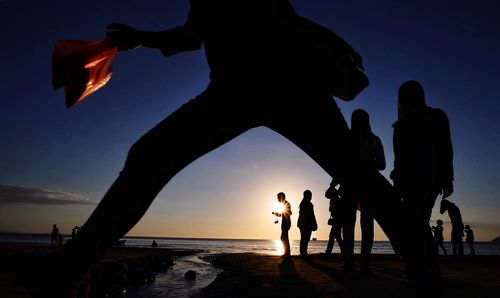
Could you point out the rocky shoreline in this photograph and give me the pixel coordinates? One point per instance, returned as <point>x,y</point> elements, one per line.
<point>121,270</point>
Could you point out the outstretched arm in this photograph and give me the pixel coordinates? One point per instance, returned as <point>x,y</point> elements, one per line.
<point>172,41</point>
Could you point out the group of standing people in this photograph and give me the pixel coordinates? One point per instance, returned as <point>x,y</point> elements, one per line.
<point>457,231</point>
<point>306,222</point>
<point>57,237</point>
<point>423,169</point>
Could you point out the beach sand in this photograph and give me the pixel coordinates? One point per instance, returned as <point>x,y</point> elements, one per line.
<point>248,275</point>
<point>251,275</point>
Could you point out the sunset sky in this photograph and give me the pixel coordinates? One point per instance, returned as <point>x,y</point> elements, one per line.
<point>56,163</point>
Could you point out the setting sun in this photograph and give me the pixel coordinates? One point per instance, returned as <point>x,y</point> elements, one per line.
<point>278,207</point>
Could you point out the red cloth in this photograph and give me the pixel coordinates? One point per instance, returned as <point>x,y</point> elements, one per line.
<point>81,67</point>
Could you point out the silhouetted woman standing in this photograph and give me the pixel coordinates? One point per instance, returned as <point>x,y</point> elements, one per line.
<point>306,222</point>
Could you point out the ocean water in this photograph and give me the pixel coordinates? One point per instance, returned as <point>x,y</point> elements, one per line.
<point>173,284</point>
<point>222,246</point>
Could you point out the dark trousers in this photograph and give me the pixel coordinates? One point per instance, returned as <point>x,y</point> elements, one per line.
<point>471,248</point>
<point>367,226</point>
<point>456,242</point>
<point>212,119</point>
<point>418,202</point>
<point>285,241</point>
<point>305,235</point>
<point>335,234</point>
<point>367,234</point>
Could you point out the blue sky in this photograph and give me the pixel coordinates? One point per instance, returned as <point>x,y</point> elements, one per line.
<point>452,48</point>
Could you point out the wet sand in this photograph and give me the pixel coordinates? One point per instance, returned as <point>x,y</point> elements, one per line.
<point>248,275</point>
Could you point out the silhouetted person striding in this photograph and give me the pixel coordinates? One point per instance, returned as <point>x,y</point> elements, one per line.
<point>423,162</point>
<point>306,222</point>
<point>54,234</point>
<point>268,67</point>
<point>469,238</point>
<point>438,237</point>
<point>286,222</point>
<point>337,214</point>
<point>362,134</point>
<point>457,226</point>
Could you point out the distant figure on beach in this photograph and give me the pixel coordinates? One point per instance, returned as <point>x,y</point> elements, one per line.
<point>306,222</point>
<point>74,232</point>
<point>54,234</point>
<point>286,222</point>
<point>269,67</point>
<point>457,226</point>
<point>60,239</point>
<point>362,134</point>
<point>438,237</point>
<point>336,220</point>
<point>154,244</point>
<point>469,238</point>
<point>423,162</point>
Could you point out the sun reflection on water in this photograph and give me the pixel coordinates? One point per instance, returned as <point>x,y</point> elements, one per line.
<point>278,248</point>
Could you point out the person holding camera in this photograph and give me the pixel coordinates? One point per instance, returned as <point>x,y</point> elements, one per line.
<point>286,222</point>
<point>336,218</point>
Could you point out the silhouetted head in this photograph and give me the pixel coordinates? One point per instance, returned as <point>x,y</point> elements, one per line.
<point>439,222</point>
<point>54,225</point>
<point>467,226</point>
<point>308,194</point>
<point>281,196</point>
<point>445,206</point>
<point>411,99</point>
<point>360,123</point>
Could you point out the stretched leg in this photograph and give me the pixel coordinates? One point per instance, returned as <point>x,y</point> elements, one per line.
<point>199,126</point>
